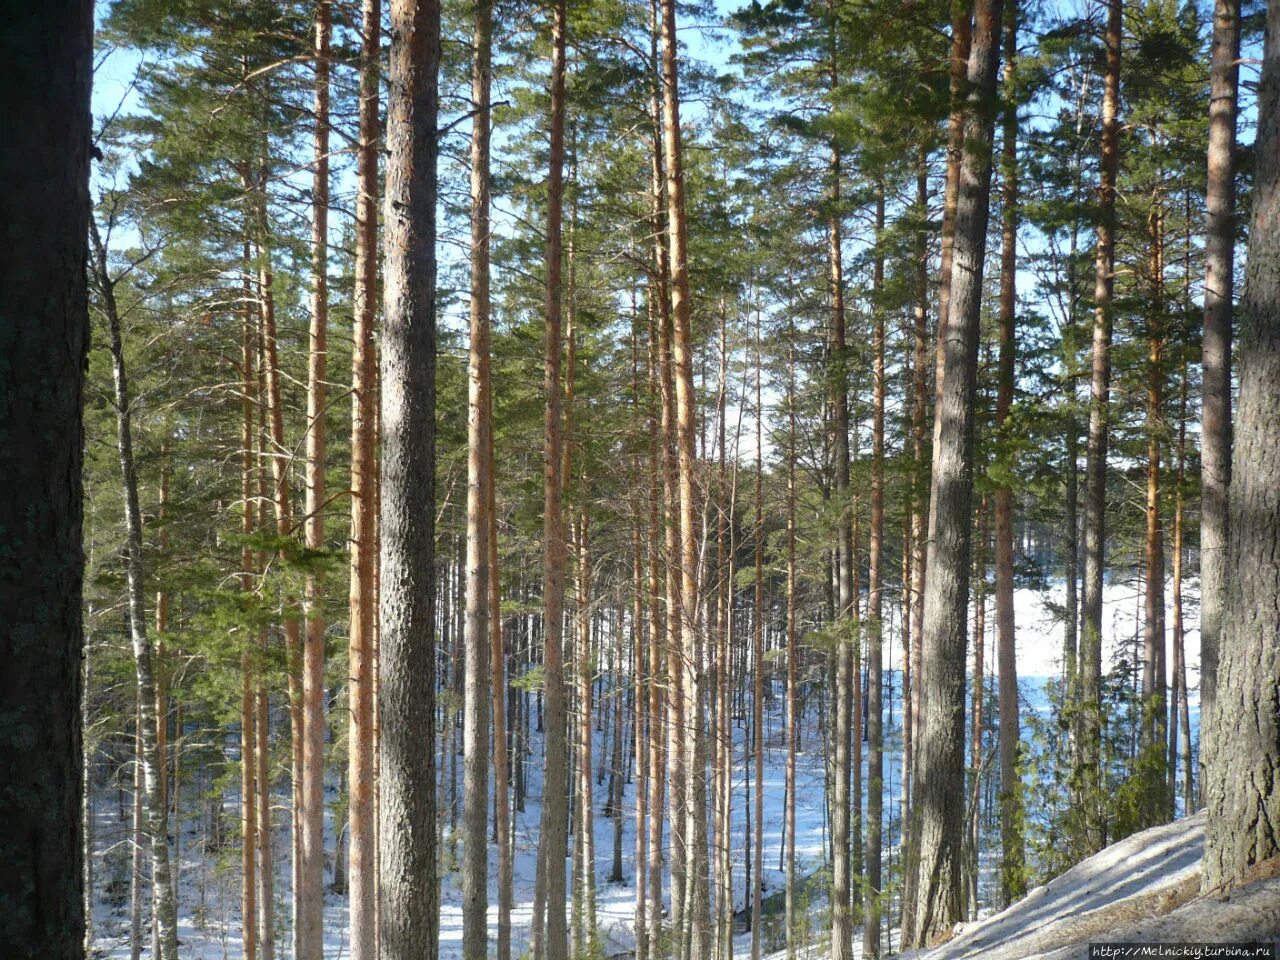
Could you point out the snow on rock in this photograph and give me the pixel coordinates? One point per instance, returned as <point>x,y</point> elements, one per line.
<point>1144,889</point>
<point>1145,875</point>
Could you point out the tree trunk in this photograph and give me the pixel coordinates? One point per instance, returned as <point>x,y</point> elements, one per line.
<point>550,942</point>
<point>1088,800</point>
<point>48,55</point>
<point>911,717</point>
<point>362,599</point>
<point>1013,883</point>
<point>248,713</point>
<point>479,652</point>
<point>1179,711</point>
<point>875,603</point>
<point>501,757</point>
<point>694,786</point>
<point>309,895</point>
<point>1215,425</point>
<point>155,815</point>
<point>1153,673</point>
<point>940,769</point>
<point>793,655</point>
<point>847,674</point>
<point>757,664</point>
<point>1243,742</point>
<point>408,917</point>
<point>585,894</point>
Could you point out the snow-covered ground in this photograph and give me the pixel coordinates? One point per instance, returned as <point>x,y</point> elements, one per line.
<point>210,880</point>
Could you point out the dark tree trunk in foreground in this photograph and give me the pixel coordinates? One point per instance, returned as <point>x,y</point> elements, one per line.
<point>46,54</point>
<point>408,920</point>
<point>940,769</point>
<point>1243,739</point>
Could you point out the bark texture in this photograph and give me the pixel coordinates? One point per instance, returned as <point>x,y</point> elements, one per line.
<point>475,861</point>
<point>362,599</point>
<point>1091,833</point>
<point>940,769</point>
<point>1219,257</point>
<point>309,848</point>
<point>1243,739</point>
<point>46,54</point>
<point>408,917</point>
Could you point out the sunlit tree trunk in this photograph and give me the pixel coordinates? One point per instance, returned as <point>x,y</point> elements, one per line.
<point>479,653</point>
<point>408,896</point>
<point>846,660</point>
<point>793,655</point>
<point>1215,424</point>
<point>1154,721</point>
<point>1088,799</point>
<point>362,599</point>
<point>309,872</point>
<point>693,784</point>
<point>248,712</point>
<point>155,814</point>
<point>1243,739</point>
<point>550,933</point>
<point>1013,884</point>
<point>757,669</point>
<point>875,603</point>
<point>940,769</point>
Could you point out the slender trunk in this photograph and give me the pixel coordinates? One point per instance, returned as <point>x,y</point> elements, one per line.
<point>1215,425</point>
<point>408,896</point>
<point>757,664</point>
<point>585,893</point>
<point>793,654</point>
<point>694,785</point>
<point>309,894</point>
<point>976,713</point>
<point>875,623</point>
<point>1153,673</point>
<point>138,845</point>
<point>940,769</point>
<point>156,817</point>
<point>641,729</point>
<point>362,599</point>
<point>248,715</point>
<point>1243,738</point>
<point>479,642</point>
<point>919,520</point>
<point>501,757</point>
<point>657,626</point>
<point>262,745</point>
<point>1179,711</point>
<point>1089,800</point>
<point>550,935</point>
<point>1013,884</point>
<point>847,674</point>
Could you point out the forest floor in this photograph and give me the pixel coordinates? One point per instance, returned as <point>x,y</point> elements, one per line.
<point>209,889</point>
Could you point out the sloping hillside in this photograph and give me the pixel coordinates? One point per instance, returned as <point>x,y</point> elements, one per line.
<point>1145,888</point>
